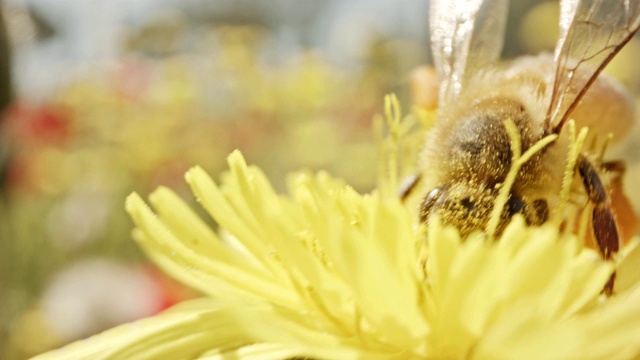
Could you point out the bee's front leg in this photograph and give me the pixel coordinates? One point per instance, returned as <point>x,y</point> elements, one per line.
<point>605,228</point>
<point>408,185</point>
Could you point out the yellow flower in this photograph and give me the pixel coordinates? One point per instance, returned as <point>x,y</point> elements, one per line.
<point>327,273</point>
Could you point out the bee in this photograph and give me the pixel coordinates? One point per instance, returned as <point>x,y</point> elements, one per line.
<point>468,152</point>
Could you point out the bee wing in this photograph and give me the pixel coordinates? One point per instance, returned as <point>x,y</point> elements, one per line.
<point>591,34</point>
<point>466,35</point>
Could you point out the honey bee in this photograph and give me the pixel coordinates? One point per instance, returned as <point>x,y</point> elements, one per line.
<point>468,152</point>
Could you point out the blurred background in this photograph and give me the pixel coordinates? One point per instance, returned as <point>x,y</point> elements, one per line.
<point>100,98</point>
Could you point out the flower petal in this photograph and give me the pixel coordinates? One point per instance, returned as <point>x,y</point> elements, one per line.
<point>183,331</point>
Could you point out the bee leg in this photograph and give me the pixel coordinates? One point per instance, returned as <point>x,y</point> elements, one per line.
<point>617,167</point>
<point>605,229</point>
<point>627,218</point>
<point>408,185</point>
<point>428,202</point>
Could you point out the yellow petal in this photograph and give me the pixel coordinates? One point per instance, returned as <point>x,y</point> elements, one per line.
<point>178,333</point>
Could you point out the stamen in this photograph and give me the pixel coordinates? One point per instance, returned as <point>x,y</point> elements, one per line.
<point>575,146</point>
<point>517,160</point>
<point>607,141</point>
<point>393,117</point>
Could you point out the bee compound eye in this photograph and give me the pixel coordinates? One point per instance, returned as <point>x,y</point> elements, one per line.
<point>472,147</point>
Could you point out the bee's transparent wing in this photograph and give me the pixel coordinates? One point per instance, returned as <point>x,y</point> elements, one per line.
<point>591,34</point>
<point>466,35</point>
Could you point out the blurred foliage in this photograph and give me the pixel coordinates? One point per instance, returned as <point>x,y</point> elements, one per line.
<point>143,122</point>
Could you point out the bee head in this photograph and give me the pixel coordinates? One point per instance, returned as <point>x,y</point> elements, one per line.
<point>469,207</point>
